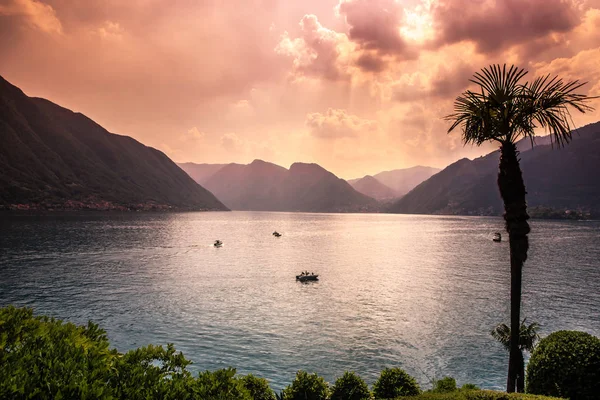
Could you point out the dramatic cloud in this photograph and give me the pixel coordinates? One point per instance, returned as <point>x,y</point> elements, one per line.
<point>358,86</point>
<point>585,67</point>
<point>338,124</point>
<point>494,25</point>
<point>375,24</point>
<point>317,52</point>
<point>35,13</point>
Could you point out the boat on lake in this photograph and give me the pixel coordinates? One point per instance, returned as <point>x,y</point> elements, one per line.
<point>218,243</point>
<point>307,277</point>
<point>497,237</point>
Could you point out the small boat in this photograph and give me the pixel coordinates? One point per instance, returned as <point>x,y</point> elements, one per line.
<point>306,277</point>
<point>497,237</point>
<point>276,234</point>
<point>218,243</point>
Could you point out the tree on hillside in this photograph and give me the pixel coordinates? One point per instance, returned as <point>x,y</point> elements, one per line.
<point>504,110</point>
<point>528,336</point>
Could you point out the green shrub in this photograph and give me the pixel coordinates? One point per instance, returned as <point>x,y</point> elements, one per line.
<point>492,395</point>
<point>469,386</point>
<point>444,385</point>
<point>476,395</point>
<point>258,387</point>
<point>44,358</point>
<point>220,384</point>
<point>350,387</point>
<point>152,372</point>
<point>394,382</point>
<point>307,387</point>
<point>566,364</point>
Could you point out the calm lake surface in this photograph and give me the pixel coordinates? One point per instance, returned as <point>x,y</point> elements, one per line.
<point>419,292</point>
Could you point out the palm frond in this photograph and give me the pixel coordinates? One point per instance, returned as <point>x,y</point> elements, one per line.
<point>505,109</point>
<point>502,334</point>
<point>528,335</point>
<point>546,102</point>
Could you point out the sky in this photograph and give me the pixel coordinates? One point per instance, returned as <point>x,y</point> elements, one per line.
<point>358,86</point>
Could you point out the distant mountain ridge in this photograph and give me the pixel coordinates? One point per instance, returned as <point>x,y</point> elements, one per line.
<point>200,172</point>
<point>560,179</point>
<point>264,186</point>
<point>371,187</point>
<point>52,157</point>
<point>404,180</point>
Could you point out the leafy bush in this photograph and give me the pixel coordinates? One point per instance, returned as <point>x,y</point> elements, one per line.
<point>350,387</point>
<point>444,385</point>
<point>307,387</point>
<point>152,372</point>
<point>43,358</point>
<point>469,386</point>
<point>394,382</point>
<point>258,387</point>
<point>492,395</point>
<point>476,395</point>
<point>567,364</point>
<point>220,384</point>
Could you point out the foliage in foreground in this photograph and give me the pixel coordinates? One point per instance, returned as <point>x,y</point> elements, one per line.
<point>258,387</point>
<point>503,109</point>
<point>528,336</point>
<point>307,387</point>
<point>44,358</point>
<point>567,364</point>
<point>444,385</point>
<point>350,387</point>
<point>394,382</point>
<point>475,395</point>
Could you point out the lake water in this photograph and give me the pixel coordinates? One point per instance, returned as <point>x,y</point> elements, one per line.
<point>419,292</point>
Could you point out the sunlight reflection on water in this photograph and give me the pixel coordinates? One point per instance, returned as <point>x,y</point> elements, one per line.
<point>421,292</point>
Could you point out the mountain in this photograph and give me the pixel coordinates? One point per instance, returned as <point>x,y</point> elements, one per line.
<point>255,186</point>
<point>263,186</point>
<point>556,179</point>
<point>52,157</point>
<point>200,172</point>
<point>402,181</point>
<point>371,187</point>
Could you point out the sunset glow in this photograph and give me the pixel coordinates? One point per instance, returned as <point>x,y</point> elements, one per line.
<point>358,86</point>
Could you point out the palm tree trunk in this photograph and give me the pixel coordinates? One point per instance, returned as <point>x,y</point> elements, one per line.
<point>521,375</point>
<point>512,191</point>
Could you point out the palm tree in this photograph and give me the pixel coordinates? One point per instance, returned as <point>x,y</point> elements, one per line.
<point>504,110</point>
<point>528,336</point>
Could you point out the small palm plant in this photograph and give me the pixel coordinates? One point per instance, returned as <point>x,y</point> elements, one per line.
<point>528,337</point>
<point>504,110</point>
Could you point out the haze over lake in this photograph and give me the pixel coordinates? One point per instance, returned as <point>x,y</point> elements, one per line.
<point>420,292</point>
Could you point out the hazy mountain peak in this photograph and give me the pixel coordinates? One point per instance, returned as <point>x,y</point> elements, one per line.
<point>263,186</point>
<point>372,187</point>
<point>403,180</point>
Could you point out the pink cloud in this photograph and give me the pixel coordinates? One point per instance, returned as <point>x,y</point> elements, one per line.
<point>35,13</point>
<point>494,25</point>
<point>337,123</point>
<point>317,52</point>
<point>370,62</point>
<point>381,72</point>
<point>375,24</point>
